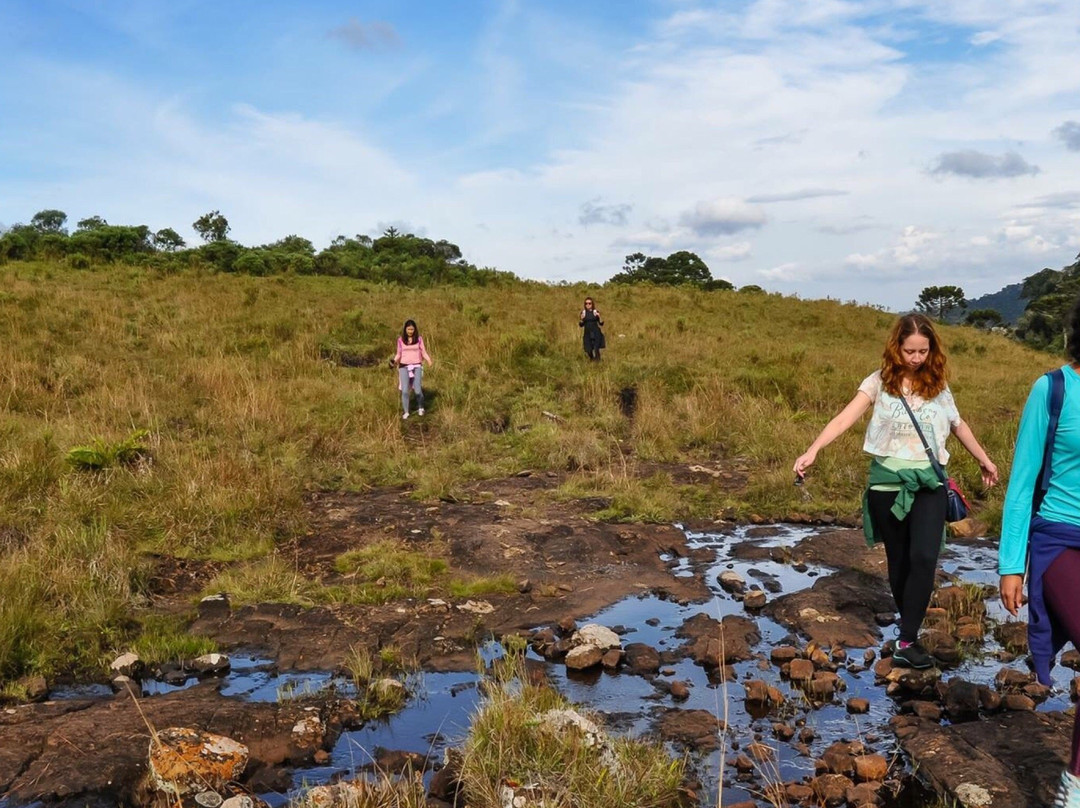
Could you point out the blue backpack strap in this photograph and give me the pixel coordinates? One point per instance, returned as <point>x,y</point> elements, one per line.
<point>1054,404</point>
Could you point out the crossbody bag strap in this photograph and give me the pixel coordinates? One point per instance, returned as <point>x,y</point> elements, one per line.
<point>938,470</point>
<point>1054,403</point>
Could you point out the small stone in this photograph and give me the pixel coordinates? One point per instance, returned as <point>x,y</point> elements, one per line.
<point>583,657</point>
<point>127,665</point>
<point>989,700</point>
<point>858,706</point>
<point>35,687</point>
<point>926,709</point>
<point>869,655</point>
<point>611,658</point>
<point>1017,702</point>
<point>1071,659</point>
<point>798,793</point>
<point>679,691</point>
<point>743,764</point>
<point>597,635</point>
<point>214,607</point>
<point>785,732</point>
<point>801,670</point>
<point>831,789</point>
<point>731,581</point>
<point>211,664</point>
<point>871,767</point>
<point>754,599</point>
<point>782,653</point>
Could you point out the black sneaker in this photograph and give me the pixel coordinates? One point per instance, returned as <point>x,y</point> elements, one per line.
<point>913,656</point>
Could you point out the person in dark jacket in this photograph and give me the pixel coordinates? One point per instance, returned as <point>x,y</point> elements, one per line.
<point>592,337</point>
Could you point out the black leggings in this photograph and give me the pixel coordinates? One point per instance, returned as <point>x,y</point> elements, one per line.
<point>912,547</point>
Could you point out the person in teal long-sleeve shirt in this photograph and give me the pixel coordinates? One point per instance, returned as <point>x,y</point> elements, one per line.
<point>1062,501</point>
<point>1048,541</point>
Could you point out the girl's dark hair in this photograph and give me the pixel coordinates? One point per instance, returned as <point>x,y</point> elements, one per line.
<point>416,332</point>
<point>1072,344</point>
<point>931,377</point>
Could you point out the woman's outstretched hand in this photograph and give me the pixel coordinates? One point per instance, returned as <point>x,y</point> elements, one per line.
<point>989,473</point>
<point>1012,590</point>
<point>803,462</point>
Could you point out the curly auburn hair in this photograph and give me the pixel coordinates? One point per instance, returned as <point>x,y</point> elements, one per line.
<point>930,379</point>
<point>1072,345</point>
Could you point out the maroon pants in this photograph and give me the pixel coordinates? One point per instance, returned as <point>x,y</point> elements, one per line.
<point>1061,591</point>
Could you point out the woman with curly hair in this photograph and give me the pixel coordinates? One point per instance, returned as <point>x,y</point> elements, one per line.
<point>904,502</point>
<point>1040,528</point>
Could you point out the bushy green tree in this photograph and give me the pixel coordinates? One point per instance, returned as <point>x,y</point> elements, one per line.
<point>90,223</point>
<point>984,318</point>
<point>168,240</point>
<point>212,227</point>
<point>49,221</point>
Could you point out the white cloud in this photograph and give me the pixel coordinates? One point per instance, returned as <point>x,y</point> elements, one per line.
<point>730,252</point>
<point>722,217</point>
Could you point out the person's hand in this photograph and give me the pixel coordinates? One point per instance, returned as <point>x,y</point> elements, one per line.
<point>989,473</point>
<point>804,462</point>
<point>1012,592</point>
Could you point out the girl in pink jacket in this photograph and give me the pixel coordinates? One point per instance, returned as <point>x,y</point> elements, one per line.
<point>409,360</point>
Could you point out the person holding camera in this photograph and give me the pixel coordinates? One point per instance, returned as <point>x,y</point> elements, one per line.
<point>905,501</point>
<point>592,337</point>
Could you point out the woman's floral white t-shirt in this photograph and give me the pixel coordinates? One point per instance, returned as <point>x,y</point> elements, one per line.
<point>890,432</point>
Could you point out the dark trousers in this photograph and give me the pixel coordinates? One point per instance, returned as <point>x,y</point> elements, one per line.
<point>1061,591</point>
<point>912,546</point>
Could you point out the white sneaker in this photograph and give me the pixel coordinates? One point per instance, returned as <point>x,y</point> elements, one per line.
<point>1068,793</point>
<point>420,411</point>
<point>405,416</point>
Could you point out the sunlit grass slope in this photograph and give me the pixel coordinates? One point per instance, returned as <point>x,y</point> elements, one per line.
<point>242,387</point>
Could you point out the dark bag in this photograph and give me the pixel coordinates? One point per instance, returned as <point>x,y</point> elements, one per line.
<point>957,506</point>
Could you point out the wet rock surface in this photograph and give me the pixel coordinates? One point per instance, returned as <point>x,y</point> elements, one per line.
<point>1016,759</point>
<point>97,749</point>
<point>837,610</point>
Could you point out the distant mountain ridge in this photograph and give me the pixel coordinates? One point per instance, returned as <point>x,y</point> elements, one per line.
<point>1006,301</point>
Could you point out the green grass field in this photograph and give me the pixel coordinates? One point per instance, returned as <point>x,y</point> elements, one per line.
<point>234,380</point>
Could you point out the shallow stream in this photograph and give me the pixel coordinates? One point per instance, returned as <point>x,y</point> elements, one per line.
<point>441,705</point>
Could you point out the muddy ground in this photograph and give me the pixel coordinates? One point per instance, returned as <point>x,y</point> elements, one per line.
<point>568,566</point>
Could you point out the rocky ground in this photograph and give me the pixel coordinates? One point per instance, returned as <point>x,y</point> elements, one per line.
<point>980,743</point>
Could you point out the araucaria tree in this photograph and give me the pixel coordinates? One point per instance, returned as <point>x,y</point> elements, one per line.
<point>938,301</point>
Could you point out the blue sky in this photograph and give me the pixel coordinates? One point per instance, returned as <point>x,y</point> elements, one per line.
<point>858,149</point>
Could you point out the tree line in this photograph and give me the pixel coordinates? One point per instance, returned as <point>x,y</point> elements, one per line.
<point>394,256</point>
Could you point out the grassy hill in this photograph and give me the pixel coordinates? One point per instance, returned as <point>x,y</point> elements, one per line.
<point>255,390</point>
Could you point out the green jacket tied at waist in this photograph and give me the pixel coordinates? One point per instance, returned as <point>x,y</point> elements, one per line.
<point>910,481</point>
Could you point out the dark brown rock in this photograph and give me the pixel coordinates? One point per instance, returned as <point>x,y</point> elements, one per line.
<point>642,659</point>
<point>831,789</point>
<point>1017,701</point>
<point>858,706</point>
<point>691,729</point>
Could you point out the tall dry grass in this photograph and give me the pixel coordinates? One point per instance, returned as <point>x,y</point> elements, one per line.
<point>234,379</point>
